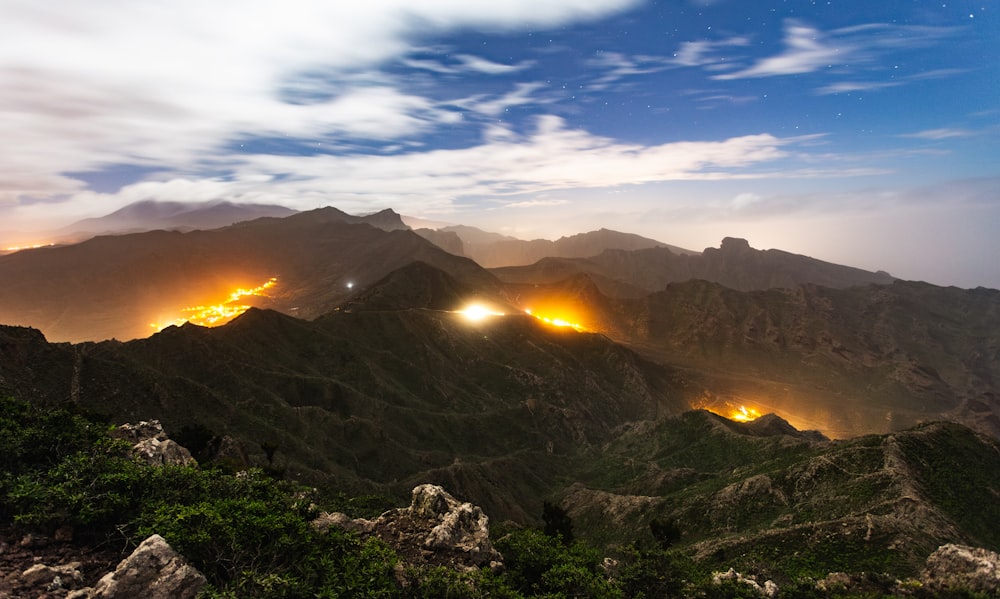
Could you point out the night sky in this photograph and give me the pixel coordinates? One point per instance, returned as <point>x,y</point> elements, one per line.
<point>860,132</point>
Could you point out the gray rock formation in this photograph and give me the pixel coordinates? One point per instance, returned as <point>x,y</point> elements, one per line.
<point>962,568</point>
<point>435,529</point>
<point>153,571</point>
<point>151,444</point>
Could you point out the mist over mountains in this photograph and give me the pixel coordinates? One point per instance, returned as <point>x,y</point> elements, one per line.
<point>362,365</point>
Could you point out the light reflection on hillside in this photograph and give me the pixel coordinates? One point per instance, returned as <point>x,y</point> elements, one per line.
<point>218,312</point>
<point>556,321</point>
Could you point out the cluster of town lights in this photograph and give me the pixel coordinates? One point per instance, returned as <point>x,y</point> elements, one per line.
<point>222,312</point>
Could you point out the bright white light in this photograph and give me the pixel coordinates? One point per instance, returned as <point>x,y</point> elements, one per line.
<point>350,284</point>
<point>478,312</point>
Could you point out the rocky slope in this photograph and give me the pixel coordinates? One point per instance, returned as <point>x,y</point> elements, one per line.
<point>784,504</point>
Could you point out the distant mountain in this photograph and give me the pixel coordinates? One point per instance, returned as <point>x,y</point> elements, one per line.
<point>149,215</point>
<point>734,264</point>
<point>448,241</point>
<point>116,286</point>
<point>492,250</point>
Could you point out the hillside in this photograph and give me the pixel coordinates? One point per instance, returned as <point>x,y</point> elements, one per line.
<point>379,398</point>
<point>786,505</point>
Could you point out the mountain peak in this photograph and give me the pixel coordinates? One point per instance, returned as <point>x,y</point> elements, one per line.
<point>735,245</point>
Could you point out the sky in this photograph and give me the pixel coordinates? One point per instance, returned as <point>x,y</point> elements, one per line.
<point>858,132</point>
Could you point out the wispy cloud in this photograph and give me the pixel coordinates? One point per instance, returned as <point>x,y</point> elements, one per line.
<point>844,87</point>
<point>806,49</point>
<point>705,52</point>
<point>522,94</point>
<point>466,63</point>
<point>945,133</point>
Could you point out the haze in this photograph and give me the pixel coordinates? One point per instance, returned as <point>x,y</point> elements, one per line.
<point>856,132</point>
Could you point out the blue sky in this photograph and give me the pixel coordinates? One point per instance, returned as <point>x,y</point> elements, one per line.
<point>865,133</point>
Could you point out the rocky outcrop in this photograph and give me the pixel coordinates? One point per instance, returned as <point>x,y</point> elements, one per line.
<point>768,589</point>
<point>962,568</point>
<point>152,445</point>
<point>153,571</point>
<point>436,529</point>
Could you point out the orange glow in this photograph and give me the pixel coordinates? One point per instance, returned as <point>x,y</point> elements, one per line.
<point>220,313</point>
<point>478,312</point>
<point>556,321</point>
<point>744,414</point>
<point>18,248</point>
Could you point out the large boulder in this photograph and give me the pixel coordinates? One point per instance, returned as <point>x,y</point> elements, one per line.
<point>153,571</point>
<point>962,568</point>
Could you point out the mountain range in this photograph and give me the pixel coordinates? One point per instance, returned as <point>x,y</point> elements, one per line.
<point>358,364</point>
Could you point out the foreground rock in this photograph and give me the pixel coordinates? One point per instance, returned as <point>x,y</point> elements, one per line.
<point>153,571</point>
<point>436,529</point>
<point>958,567</point>
<point>151,444</point>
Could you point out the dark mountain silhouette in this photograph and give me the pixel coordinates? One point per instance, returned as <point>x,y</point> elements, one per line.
<point>492,250</point>
<point>735,264</point>
<point>115,286</point>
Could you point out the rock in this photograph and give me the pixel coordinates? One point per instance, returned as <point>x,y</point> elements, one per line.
<point>151,444</point>
<point>163,453</point>
<point>770,589</point>
<point>435,529</point>
<point>153,571</point>
<point>962,568</point>
<point>326,520</point>
<point>65,576</point>
<point>145,429</point>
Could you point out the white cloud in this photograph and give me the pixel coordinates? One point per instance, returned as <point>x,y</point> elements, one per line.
<point>168,84</point>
